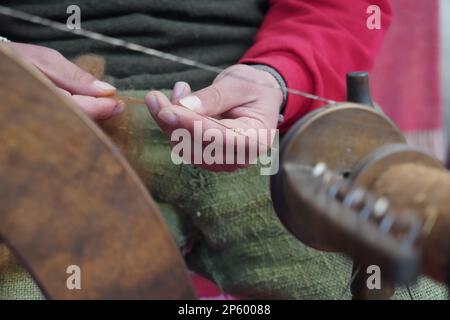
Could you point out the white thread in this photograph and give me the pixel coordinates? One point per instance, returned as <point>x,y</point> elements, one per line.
<point>148,51</point>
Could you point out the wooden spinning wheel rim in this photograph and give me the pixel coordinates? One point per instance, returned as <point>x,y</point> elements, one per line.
<point>68,197</point>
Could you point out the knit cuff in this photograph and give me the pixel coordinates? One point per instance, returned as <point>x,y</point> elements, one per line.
<point>277,77</point>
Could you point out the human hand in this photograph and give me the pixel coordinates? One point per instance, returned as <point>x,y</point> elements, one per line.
<point>90,94</point>
<point>233,103</point>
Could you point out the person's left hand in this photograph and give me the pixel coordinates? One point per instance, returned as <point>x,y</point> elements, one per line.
<point>235,103</point>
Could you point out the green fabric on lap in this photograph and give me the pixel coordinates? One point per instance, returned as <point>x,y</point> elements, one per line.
<point>16,283</point>
<point>238,241</point>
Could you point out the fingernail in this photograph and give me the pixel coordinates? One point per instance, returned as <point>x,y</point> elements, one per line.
<point>118,108</point>
<point>103,86</point>
<point>193,103</point>
<point>153,104</point>
<point>178,90</point>
<point>168,117</point>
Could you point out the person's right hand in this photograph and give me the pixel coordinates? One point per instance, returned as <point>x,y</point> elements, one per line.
<point>90,94</point>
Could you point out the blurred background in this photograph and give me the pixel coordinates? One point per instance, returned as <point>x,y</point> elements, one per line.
<point>411,77</point>
<point>445,58</point>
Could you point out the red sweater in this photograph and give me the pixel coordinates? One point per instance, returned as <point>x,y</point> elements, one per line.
<point>313,44</point>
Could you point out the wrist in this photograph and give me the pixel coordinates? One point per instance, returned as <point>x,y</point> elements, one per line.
<point>279,80</point>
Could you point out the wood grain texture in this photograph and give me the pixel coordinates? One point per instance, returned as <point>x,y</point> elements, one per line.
<point>339,136</point>
<point>424,190</point>
<point>414,183</point>
<point>364,146</point>
<point>68,197</point>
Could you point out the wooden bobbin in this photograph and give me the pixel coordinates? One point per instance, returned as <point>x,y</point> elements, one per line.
<point>338,136</point>
<point>413,182</point>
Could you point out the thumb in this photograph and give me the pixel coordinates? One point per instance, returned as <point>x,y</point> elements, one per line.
<point>77,81</point>
<point>62,72</point>
<point>70,77</point>
<point>217,99</point>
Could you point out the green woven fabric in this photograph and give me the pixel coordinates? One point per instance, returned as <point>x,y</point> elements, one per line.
<point>238,242</point>
<point>16,283</point>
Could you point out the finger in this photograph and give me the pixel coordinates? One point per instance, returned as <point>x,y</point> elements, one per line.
<point>65,92</point>
<point>156,101</point>
<point>180,90</point>
<point>62,72</point>
<point>78,81</point>
<point>221,96</point>
<point>242,133</point>
<point>99,108</point>
<point>70,77</point>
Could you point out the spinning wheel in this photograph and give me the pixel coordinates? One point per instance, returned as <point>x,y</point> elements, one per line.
<point>348,182</point>
<point>68,197</point>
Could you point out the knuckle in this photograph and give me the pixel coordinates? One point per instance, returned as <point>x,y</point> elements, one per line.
<point>216,96</point>
<point>81,76</point>
<point>101,113</point>
<point>47,56</point>
<point>55,53</point>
